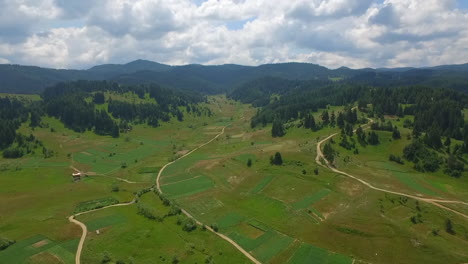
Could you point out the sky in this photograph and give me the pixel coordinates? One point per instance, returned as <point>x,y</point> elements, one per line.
<point>79,34</point>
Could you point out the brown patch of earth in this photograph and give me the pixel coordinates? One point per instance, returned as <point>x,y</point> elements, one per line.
<point>40,243</point>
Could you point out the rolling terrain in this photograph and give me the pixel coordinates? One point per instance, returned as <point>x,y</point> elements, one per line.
<point>287,163</point>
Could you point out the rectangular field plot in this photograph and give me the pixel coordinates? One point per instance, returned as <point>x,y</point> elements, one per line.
<point>188,187</point>
<point>411,181</point>
<point>307,253</point>
<point>272,247</point>
<point>311,199</point>
<point>109,157</point>
<point>37,248</point>
<point>229,220</point>
<point>106,221</point>
<point>263,183</point>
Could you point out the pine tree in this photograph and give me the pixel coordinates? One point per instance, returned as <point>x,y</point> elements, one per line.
<point>396,133</point>
<point>340,120</point>
<point>325,118</point>
<point>277,130</point>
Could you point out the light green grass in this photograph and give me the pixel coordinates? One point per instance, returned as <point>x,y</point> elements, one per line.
<point>272,247</point>
<point>188,187</point>
<point>411,181</point>
<point>106,221</point>
<point>311,199</point>
<point>229,220</point>
<point>310,254</point>
<point>263,183</point>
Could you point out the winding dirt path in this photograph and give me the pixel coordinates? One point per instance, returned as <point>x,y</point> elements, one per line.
<point>435,202</point>
<point>232,242</point>
<point>84,229</point>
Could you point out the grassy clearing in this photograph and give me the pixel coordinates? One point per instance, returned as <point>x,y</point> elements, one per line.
<point>188,187</point>
<point>229,220</point>
<point>263,183</point>
<point>411,181</point>
<point>147,241</point>
<point>105,222</point>
<point>311,254</point>
<point>311,199</point>
<point>272,247</point>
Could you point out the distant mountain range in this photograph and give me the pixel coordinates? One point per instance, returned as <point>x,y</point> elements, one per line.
<point>222,78</point>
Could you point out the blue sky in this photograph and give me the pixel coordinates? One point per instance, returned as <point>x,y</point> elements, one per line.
<point>333,33</point>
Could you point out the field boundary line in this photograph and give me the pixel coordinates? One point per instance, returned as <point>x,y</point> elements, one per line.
<point>229,240</point>
<point>435,202</point>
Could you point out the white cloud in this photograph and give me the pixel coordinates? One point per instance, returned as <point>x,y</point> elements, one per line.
<point>333,33</point>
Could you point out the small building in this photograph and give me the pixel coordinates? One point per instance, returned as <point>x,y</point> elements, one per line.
<point>77,176</point>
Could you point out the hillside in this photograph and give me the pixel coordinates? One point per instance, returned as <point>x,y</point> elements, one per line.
<point>215,79</point>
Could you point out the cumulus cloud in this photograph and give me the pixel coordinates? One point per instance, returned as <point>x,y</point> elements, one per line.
<point>333,33</point>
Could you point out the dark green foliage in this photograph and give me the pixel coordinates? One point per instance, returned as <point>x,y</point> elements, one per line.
<point>277,130</point>
<point>373,138</point>
<point>5,243</point>
<point>396,159</point>
<point>249,162</point>
<point>449,227</point>
<point>99,98</point>
<point>454,168</point>
<point>276,159</point>
<point>67,101</point>
<point>424,159</point>
<point>189,225</point>
<point>106,258</point>
<point>309,122</point>
<point>23,145</point>
<point>214,227</point>
<point>328,152</point>
<point>12,153</point>
<point>148,213</point>
<point>396,133</point>
<point>325,117</point>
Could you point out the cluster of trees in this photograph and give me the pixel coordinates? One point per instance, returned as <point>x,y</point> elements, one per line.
<point>23,145</point>
<point>427,159</point>
<point>12,113</point>
<point>5,243</point>
<point>70,103</point>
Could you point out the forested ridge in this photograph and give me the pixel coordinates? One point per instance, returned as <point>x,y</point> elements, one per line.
<point>438,116</point>
<point>215,79</point>
<point>80,106</point>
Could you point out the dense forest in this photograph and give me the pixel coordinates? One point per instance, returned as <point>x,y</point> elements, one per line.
<point>438,116</point>
<point>215,79</point>
<point>80,106</point>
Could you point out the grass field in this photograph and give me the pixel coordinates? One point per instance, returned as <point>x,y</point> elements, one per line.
<point>281,214</point>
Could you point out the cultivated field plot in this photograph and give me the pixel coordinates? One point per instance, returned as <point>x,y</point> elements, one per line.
<point>40,249</point>
<point>149,241</point>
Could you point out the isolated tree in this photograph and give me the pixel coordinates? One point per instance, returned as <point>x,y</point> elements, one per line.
<point>329,152</point>
<point>396,133</point>
<point>276,159</point>
<point>332,119</point>
<point>449,227</point>
<point>340,120</point>
<point>373,138</point>
<point>325,117</point>
<point>249,162</point>
<point>277,130</point>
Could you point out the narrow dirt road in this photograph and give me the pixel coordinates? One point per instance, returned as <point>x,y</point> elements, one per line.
<point>320,157</point>
<point>84,229</point>
<point>232,242</point>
